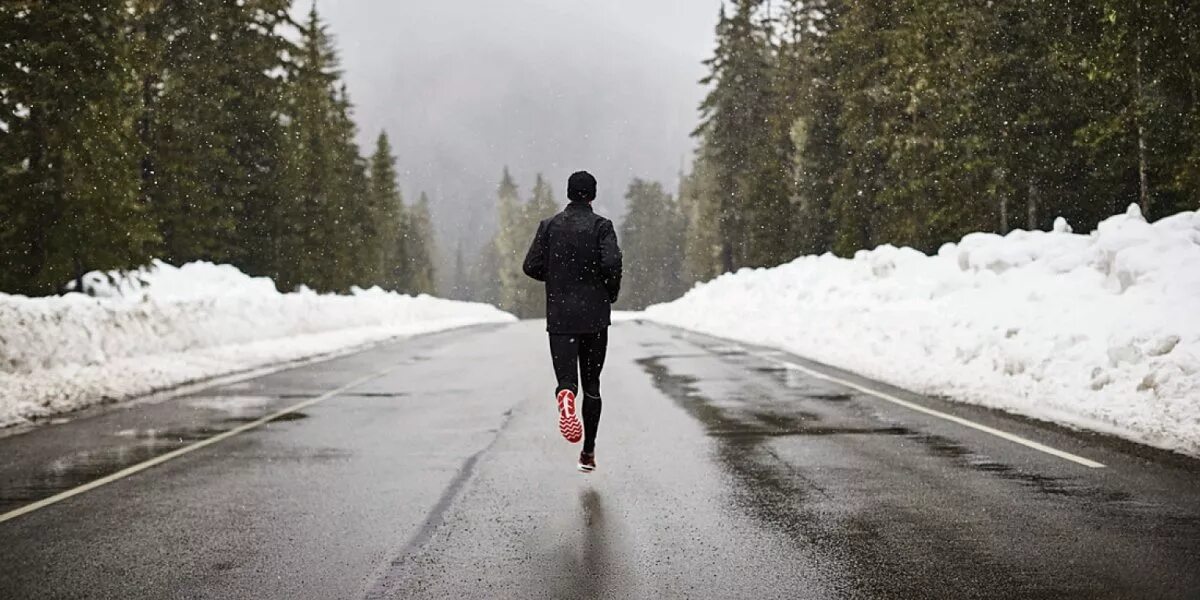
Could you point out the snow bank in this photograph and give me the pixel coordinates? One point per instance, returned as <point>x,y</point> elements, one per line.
<point>1098,331</point>
<point>165,326</point>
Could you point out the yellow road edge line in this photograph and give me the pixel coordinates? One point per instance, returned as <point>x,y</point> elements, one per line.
<point>1087,462</point>
<point>158,460</point>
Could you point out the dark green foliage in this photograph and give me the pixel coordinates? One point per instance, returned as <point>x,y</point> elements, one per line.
<point>68,152</point>
<point>483,275</point>
<point>509,246</point>
<point>736,121</point>
<point>417,274</point>
<point>499,278</point>
<point>913,122</point>
<point>1140,57</point>
<point>206,130</point>
<point>461,289</point>
<point>261,182</point>
<point>383,234</point>
<point>652,236</point>
<point>189,172</point>
<point>698,205</point>
<point>324,220</point>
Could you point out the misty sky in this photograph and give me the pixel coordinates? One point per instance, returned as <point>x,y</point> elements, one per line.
<point>464,87</point>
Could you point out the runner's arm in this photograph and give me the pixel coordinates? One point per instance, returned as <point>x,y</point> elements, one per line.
<point>535,259</point>
<point>610,260</point>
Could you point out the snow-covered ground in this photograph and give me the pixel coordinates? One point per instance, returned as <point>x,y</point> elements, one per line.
<point>1098,331</point>
<point>166,326</point>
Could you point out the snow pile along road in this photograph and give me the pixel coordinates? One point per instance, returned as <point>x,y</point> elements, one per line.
<point>1098,331</point>
<point>166,326</point>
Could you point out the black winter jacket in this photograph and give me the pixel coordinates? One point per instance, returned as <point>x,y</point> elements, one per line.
<point>575,252</point>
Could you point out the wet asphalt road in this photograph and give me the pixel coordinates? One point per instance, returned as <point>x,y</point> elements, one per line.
<point>721,475</point>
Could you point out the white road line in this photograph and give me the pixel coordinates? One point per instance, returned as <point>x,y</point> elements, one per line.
<point>158,460</point>
<point>939,414</point>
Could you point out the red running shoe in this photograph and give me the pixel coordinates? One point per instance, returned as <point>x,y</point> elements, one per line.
<point>568,422</point>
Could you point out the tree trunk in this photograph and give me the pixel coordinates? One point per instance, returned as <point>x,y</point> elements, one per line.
<point>1143,177</point>
<point>728,229</point>
<point>1034,200</point>
<point>726,256</point>
<point>79,274</point>
<point>145,122</point>
<point>144,132</point>
<point>1003,214</point>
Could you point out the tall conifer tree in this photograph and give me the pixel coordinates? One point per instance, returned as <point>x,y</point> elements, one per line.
<point>387,251</point>
<point>322,237</point>
<point>420,249</point>
<point>735,120</point>
<point>69,170</point>
<point>509,242</point>
<point>652,236</point>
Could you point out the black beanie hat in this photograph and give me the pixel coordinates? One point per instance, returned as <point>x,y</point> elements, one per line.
<point>581,187</point>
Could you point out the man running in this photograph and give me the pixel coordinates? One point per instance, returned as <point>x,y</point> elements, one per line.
<point>575,252</point>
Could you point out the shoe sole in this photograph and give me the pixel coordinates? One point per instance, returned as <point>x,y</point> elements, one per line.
<point>585,469</point>
<point>568,421</point>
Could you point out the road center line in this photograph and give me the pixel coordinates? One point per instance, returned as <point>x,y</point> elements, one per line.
<point>939,414</point>
<point>158,460</point>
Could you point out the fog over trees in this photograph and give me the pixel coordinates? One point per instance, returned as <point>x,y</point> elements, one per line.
<point>538,86</point>
<point>415,146</point>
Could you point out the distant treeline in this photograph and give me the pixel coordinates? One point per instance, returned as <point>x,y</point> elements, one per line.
<point>495,276</point>
<point>839,125</point>
<point>651,236</point>
<point>833,126</point>
<point>208,130</point>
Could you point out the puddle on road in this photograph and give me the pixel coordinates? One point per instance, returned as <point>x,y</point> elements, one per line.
<point>779,495</point>
<point>82,467</point>
<point>591,569</point>
<point>292,416</point>
<point>813,431</point>
<point>803,384</point>
<point>769,495</point>
<point>233,405</point>
<point>129,447</point>
<point>787,499</point>
<point>739,424</point>
<point>1043,484</point>
<point>829,397</point>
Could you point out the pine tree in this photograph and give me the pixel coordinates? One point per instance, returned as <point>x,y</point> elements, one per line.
<point>421,276</point>
<point>652,236</point>
<point>69,163</point>
<point>356,264</point>
<point>187,94</point>
<point>808,65</point>
<point>866,104</point>
<point>1141,55</point>
<point>699,206</point>
<point>384,232</point>
<point>510,244</point>
<point>1185,84</point>
<point>484,275</point>
<point>462,277</point>
<point>735,120</point>
<point>541,204</point>
<point>254,42</point>
<point>771,190</point>
<point>323,228</point>
<point>1019,104</point>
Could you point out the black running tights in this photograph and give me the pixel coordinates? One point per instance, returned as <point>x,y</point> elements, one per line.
<point>581,356</point>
